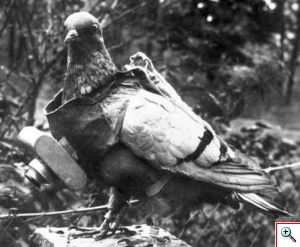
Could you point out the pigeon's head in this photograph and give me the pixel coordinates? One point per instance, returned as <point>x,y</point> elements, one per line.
<point>83,30</point>
<point>89,67</point>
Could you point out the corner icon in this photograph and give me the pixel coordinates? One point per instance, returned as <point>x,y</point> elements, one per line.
<point>286,234</point>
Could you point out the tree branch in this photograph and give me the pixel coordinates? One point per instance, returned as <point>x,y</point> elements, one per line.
<point>9,15</point>
<point>105,24</point>
<point>72,211</point>
<point>30,34</point>
<point>104,20</point>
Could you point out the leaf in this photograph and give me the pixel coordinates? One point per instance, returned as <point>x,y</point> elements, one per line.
<point>238,109</point>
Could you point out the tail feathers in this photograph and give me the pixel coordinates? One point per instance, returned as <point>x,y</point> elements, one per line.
<point>261,204</point>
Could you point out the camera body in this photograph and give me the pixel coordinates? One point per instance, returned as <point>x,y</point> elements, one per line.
<point>55,160</point>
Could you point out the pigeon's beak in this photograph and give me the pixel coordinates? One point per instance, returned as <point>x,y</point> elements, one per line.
<point>71,36</point>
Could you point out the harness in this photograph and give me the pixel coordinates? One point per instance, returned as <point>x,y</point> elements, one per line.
<point>82,121</point>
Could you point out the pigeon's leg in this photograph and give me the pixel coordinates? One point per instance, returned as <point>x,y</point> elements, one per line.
<point>117,208</point>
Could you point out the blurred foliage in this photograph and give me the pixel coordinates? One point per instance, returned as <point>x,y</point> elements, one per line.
<point>222,56</point>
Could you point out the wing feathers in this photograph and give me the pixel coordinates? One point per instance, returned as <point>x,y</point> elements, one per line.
<point>203,143</point>
<point>159,131</point>
<point>242,182</point>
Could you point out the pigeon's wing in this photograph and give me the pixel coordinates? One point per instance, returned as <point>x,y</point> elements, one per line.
<point>162,133</point>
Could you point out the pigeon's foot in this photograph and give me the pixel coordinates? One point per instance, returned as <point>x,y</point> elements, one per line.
<point>84,232</point>
<point>144,241</point>
<point>99,234</point>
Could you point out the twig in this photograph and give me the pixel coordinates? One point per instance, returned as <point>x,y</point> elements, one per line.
<point>117,46</point>
<point>9,15</point>
<point>104,20</point>
<point>191,218</point>
<point>6,166</point>
<point>5,229</point>
<point>104,23</point>
<point>277,168</point>
<point>72,211</point>
<point>5,144</point>
<point>89,206</point>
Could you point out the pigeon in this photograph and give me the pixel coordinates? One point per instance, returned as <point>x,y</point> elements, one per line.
<point>160,151</point>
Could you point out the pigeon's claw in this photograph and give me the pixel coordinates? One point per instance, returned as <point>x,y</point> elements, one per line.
<point>84,232</point>
<point>107,228</point>
<point>111,223</point>
<point>104,230</point>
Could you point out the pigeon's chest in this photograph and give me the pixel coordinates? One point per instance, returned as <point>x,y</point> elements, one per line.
<point>91,127</point>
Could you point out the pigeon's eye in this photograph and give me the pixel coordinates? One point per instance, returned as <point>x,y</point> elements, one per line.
<point>94,28</point>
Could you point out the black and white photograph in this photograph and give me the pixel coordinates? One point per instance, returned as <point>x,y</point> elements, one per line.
<point>149,123</point>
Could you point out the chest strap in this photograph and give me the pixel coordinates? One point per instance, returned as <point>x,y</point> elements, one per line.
<point>153,189</point>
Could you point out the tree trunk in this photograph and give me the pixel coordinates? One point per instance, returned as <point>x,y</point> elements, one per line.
<point>11,44</point>
<point>293,62</point>
<point>281,6</point>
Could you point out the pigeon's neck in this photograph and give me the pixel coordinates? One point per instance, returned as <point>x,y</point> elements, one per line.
<point>88,68</point>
